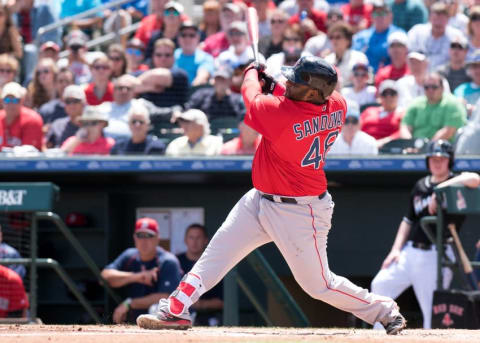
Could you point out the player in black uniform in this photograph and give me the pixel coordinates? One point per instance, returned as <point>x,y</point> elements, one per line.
<point>412,260</point>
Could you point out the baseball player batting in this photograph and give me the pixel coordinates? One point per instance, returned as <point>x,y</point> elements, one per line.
<point>289,204</point>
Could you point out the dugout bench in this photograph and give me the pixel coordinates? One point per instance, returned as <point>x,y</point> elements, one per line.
<point>453,308</point>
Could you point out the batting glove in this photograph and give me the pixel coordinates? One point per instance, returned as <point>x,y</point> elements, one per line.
<point>260,67</point>
<point>269,83</point>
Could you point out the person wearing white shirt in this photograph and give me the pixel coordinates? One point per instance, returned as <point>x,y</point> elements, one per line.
<point>352,141</point>
<point>361,92</point>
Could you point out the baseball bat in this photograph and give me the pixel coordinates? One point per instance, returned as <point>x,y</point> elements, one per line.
<point>465,261</point>
<point>252,25</point>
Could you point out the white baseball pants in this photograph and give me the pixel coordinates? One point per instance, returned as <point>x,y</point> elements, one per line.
<point>300,232</point>
<point>417,268</point>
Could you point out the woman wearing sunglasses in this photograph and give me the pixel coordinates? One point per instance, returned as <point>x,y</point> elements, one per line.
<point>42,89</point>
<point>101,88</point>
<point>135,56</point>
<point>89,139</point>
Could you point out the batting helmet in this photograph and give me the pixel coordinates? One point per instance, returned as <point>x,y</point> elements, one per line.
<point>440,148</point>
<point>313,72</point>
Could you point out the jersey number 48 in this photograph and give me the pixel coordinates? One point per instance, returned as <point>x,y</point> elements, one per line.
<point>314,155</point>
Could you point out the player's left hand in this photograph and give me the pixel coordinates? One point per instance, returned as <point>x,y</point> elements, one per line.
<point>120,314</point>
<point>432,205</point>
<point>260,67</point>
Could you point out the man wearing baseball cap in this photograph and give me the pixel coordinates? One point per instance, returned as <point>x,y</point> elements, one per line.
<point>455,71</point>
<point>149,272</point>
<point>398,51</point>
<point>469,92</point>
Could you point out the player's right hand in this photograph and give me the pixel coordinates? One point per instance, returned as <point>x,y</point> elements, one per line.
<point>260,67</point>
<point>268,83</point>
<point>392,257</point>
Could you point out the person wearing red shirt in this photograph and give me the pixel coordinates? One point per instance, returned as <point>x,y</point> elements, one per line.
<point>315,20</point>
<point>101,88</point>
<point>245,144</point>
<point>13,298</point>
<point>398,51</point>
<point>357,14</point>
<point>89,139</point>
<point>383,122</point>
<point>289,204</point>
<point>21,125</point>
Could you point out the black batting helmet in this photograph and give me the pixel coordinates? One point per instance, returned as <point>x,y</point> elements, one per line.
<point>314,72</point>
<point>440,148</point>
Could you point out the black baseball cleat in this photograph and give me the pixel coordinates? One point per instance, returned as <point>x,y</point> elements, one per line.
<point>396,325</point>
<point>164,320</point>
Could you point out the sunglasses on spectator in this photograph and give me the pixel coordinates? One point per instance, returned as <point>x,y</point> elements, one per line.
<point>336,37</point>
<point>75,47</point>
<point>235,33</point>
<point>90,123</point>
<point>456,46</point>
<point>475,17</point>
<point>137,121</point>
<point>389,92</point>
<point>188,35</point>
<point>171,12</point>
<point>360,74</point>
<point>6,71</point>
<point>115,58</point>
<point>133,51</point>
<point>160,55</point>
<point>72,101</point>
<point>351,120</point>
<point>144,235</point>
<point>123,88</point>
<point>379,14</point>
<point>101,67</point>
<point>43,71</point>
<point>291,39</point>
<point>14,101</point>
<point>432,87</point>
<point>277,21</point>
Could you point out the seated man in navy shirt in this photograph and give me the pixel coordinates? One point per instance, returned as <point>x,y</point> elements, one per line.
<point>207,311</point>
<point>148,271</point>
<point>7,251</point>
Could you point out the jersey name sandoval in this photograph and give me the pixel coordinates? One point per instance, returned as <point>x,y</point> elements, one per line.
<point>296,137</point>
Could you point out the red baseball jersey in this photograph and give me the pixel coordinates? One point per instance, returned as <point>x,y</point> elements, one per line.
<point>12,293</point>
<point>26,129</point>
<point>296,137</point>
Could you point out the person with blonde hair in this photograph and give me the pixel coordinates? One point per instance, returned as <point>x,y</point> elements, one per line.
<point>101,88</point>
<point>42,89</point>
<point>10,40</point>
<point>8,69</point>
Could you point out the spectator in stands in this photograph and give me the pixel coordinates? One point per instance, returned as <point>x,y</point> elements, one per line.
<point>272,43</point>
<point>239,52</point>
<point>165,85</point>
<point>153,23</point>
<point>135,57</point>
<point>172,19</point>
<point>218,101</point>
<point>118,60</point>
<point>118,110</point>
<point>55,108</point>
<point>219,42</point>
<point>316,20</point>
<point>21,125</point>
<point>435,115</point>
<point>197,63</point>
<point>469,92</point>
<point>10,40</point>
<point>116,19</point>
<point>434,37</point>
<point>140,142</point>
<point>208,309</point>
<point>13,297</point>
<point>42,89</point>
<point>373,41</point>
<point>148,271</point>
<point>245,144</point>
<point>408,13</point>
<point>455,71</point>
<point>263,12</point>
<point>352,141</point>
<point>291,46</point>
<point>360,92</point>
<point>137,9</point>
<point>342,56</point>
<point>76,45</point>
<point>89,139</point>
<point>411,86</point>
<point>468,142</point>
<point>73,102</point>
<point>383,122</point>
<point>334,15</point>
<point>197,140</point>
<point>457,18</point>
<point>210,22</point>
<point>101,88</point>
<point>398,51</point>
<point>71,8</point>
<point>49,50</point>
<point>7,251</point>
<point>474,29</point>
<point>8,69</point>
<point>358,14</point>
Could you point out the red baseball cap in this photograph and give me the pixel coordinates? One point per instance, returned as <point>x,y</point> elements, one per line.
<point>147,225</point>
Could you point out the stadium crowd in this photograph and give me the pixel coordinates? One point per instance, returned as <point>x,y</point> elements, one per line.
<point>409,69</point>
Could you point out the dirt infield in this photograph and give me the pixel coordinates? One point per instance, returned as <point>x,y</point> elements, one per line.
<point>132,334</point>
